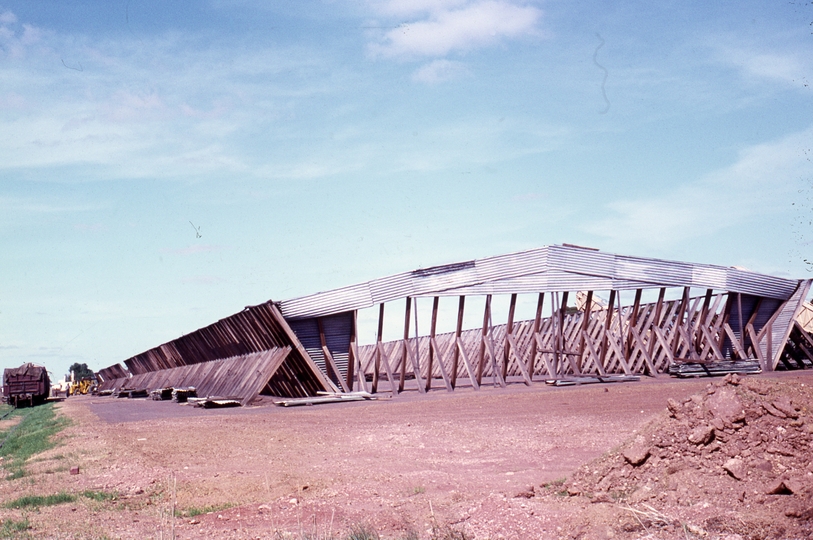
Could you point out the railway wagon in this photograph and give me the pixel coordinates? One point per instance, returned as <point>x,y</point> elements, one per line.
<point>28,384</point>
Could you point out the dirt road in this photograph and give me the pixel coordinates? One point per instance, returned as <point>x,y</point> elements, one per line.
<point>400,466</point>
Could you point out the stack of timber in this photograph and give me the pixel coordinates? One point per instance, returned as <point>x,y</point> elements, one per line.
<point>161,394</point>
<point>572,381</point>
<point>215,402</point>
<point>182,395</point>
<point>715,369</point>
<point>326,397</point>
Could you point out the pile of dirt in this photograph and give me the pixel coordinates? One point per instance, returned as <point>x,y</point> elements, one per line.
<point>733,462</point>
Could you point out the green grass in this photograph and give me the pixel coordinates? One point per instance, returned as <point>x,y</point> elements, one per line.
<point>33,435</point>
<point>196,511</point>
<point>12,529</point>
<point>99,496</point>
<point>35,501</point>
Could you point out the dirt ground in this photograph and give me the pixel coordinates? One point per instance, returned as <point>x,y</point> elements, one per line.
<point>520,462</point>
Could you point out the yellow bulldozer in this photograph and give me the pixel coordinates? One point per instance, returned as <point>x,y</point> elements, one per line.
<point>84,386</point>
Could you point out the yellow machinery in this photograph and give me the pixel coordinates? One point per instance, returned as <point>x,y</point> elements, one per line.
<point>84,386</point>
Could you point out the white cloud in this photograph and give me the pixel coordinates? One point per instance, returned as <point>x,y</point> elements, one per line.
<point>439,71</point>
<point>783,63</point>
<point>759,183</point>
<point>472,26</point>
<point>7,17</point>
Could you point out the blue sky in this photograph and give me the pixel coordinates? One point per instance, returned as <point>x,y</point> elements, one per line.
<point>164,164</point>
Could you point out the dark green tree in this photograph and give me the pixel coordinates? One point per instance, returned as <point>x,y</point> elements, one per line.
<point>80,371</point>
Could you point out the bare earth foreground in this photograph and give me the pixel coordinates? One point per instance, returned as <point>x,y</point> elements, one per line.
<point>488,464</point>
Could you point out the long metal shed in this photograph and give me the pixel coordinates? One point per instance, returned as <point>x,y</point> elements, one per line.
<point>718,314</point>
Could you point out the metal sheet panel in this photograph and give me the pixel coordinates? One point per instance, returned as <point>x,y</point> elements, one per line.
<point>512,265</point>
<point>492,275</point>
<point>582,261</point>
<point>326,303</point>
<point>391,288</point>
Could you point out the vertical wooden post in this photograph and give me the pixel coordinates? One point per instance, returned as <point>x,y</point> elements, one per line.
<point>588,304</point>
<point>739,313</point>
<point>704,313</point>
<point>684,302</point>
<point>632,323</point>
<point>404,354</point>
<point>378,349</point>
<point>509,329</point>
<point>729,305</point>
<point>486,318</point>
<point>656,322</point>
<point>537,321</point>
<point>561,330</point>
<point>607,322</point>
<point>432,329</point>
<point>330,364</point>
<point>458,330</point>
<point>351,357</point>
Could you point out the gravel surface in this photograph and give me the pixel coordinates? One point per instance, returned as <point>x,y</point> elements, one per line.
<point>487,464</point>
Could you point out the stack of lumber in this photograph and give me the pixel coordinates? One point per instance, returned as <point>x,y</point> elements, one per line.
<point>571,381</point>
<point>161,394</point>
<point>715,369</point>
<point>182,395</point>
<point>325,397</point>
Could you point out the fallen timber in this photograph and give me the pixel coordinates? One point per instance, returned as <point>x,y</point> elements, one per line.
<point>631,317</point>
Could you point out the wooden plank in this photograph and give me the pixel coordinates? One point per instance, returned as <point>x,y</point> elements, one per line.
<point>329,357</point>
<point>619,354</point>
<point>465,358</point>
<point>377,371</point>
<point>509,329</point>
<point>735,342</point>
<point>404,354</point>
<point>514,352</point>
<point>441,364</point>
<point>416,367</point>
<point>382,354</point>
<point>595,357</point>
<point>749,328</point>
<point>540,351</point>
<point>297,346</point>
<point>588,304</point>
<point>432,328</point>
<point>679,321</point>
<point>657,319</point>
<point>458,330</point>
<point>486,319</point>
<point>650,366</point>
<point>633,321</point>
<point>664,344</point>
<point>360,373</point>
<point>607,322</point>
<point>532,360</point>
<point>712,343</point>
<point>495,372</point>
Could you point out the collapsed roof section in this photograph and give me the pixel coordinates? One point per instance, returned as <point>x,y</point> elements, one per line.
<point>743,316</point>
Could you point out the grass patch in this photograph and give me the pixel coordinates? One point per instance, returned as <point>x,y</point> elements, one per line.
<point>12,528</point>
<point>33,435</point>
<point>417,490</point>
<point>196,511</point>
<point>360,532</point>
<point>99,496</point>
<point>35,501</point>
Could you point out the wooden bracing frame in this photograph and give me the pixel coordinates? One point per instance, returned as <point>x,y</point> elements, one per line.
<point>636,339</point>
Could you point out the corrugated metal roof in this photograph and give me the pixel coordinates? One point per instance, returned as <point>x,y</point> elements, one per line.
<point>550,268</point>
